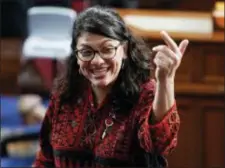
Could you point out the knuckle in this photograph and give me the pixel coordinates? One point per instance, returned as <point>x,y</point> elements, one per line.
<point>164,47</point>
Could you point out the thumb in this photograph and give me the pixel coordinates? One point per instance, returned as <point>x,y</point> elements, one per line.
<point>183,46</point>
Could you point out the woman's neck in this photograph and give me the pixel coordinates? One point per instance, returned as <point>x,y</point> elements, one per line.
<point>100,93</point>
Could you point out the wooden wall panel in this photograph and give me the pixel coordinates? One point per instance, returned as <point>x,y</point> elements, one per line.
<point>188,153</point>
<point>202,68</point>
<point>201,140</point>
<point>214,137</point>
<point>214,63</point>
<point>206,63</point>
<point>196,66</point>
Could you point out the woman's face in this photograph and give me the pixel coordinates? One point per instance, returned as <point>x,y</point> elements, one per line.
<point>101,72</point>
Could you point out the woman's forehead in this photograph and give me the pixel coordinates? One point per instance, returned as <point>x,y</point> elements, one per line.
<point>92,39</point>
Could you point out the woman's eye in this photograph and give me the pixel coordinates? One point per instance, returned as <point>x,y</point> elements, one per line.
<point>86,52</point>
<point>107,50</point>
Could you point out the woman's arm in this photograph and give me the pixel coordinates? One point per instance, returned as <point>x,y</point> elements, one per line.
<point>158,117</point>
<point>164,99</point>
<point>167,60</point>
<point>161,136</point>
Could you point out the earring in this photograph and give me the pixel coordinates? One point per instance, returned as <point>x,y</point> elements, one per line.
<point>122,66</point>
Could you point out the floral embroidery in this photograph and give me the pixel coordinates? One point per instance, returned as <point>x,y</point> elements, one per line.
<point>70,130</point>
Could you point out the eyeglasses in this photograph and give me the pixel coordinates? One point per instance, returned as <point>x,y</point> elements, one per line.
<point>89,54</point>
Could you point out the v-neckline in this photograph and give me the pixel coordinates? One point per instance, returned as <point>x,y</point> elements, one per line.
<point>91,100</point>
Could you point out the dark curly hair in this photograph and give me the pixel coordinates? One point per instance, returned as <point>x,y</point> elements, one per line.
<point>107,22</point>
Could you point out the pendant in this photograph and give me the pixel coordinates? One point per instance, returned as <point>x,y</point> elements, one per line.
<point>74,123</point>
<point>108,124</point>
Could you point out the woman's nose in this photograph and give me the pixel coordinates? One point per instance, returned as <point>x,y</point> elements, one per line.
<point>97,59</point>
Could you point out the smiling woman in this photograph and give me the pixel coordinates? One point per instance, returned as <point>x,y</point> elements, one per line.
<point>101,66</point>
<point>107,110</point>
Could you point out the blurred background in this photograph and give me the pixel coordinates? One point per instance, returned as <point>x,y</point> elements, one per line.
<point>35,41</point>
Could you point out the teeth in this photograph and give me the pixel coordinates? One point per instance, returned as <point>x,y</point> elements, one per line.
<point>100,70</point>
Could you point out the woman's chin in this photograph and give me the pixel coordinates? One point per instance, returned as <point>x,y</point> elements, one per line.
<point>100,83</point>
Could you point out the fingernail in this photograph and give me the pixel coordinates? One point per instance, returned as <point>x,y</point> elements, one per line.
<point>163,32</point>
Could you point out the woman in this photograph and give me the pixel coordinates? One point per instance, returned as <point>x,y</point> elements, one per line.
<point>107,110</point>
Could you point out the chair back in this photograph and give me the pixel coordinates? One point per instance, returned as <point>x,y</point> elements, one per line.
<point>51,22</point>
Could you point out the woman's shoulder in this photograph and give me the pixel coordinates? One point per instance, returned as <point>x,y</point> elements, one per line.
<point>147,91</point>
<point>53,105</point>
<point>54,97</point>
<point>58,107</point>
<point>146,97</point>
<point>61,103</point>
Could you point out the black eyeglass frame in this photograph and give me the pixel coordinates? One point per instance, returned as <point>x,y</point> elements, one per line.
<point>99,53</point>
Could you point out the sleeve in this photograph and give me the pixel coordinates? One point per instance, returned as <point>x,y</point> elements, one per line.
<point>160,137</point>
<point>44,156</point>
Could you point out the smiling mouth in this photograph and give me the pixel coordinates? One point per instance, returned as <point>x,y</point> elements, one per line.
<point>99,72</point>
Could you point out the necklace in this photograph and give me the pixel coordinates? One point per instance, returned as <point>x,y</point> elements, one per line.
<point>108,124</point>
<point>94,118</point>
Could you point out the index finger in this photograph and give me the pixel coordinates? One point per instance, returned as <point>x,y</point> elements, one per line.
<point>169,41</point>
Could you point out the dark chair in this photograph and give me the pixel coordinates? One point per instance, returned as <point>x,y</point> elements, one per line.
<point>19,134</point>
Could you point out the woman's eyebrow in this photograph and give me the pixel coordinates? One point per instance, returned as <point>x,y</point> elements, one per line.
<point>112,43</point>
<point>84,45</point>
<point>81,46</point>
<point>89,45</point>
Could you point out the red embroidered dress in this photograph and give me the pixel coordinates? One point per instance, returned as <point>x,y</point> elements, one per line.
<point>72,136</point>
